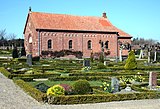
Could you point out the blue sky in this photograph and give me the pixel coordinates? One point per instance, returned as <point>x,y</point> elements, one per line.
<point>139,18</point>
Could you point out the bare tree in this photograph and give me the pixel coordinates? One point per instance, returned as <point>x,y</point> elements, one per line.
<point>3,38</point>
<point>11,37</point>
<point>2,34</point>
<point>142,41</point>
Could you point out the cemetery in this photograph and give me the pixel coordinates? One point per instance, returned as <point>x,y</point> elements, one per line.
<point>80,81</point>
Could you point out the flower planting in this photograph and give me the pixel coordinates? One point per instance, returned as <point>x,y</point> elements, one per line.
<point>55,90</point>
<point>106,87</point>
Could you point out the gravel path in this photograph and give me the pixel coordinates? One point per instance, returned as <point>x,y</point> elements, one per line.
<point>12,97</point>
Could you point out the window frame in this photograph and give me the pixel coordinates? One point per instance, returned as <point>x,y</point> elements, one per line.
<point>70,44</point>
<point>49,44</point>
<point>89,45</point>
<point>107,43</point>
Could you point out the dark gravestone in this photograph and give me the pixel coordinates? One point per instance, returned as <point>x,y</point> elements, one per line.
<point>86,63</point>
<point>115,85</point>
<point>42,87</point>
<point>29,59</point>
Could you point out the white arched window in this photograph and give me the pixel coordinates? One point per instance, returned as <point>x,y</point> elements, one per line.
<point>30,39</point>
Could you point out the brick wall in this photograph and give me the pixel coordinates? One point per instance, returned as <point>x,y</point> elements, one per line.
<point>60,40</point>
<point>79,41</point>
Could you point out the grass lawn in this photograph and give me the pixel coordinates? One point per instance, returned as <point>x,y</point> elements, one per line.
<point>51,83</point>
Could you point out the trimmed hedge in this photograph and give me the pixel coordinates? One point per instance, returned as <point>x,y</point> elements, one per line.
<point>5,72</point>
<point>26,79</point>
<point>149,68</point>
<point>34,76</point>
<point>22,59</point>
<point>101,74</point>
<point>35,93</point>
<point>97,98</point>
<point>73,78</point>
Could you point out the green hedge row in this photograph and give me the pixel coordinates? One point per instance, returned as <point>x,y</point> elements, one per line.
<point>5,72</point>
<point>138,88</point>
<point>97,98</point>
<point>73,78</point>
<point>27,79</point>
<point>60,68</point>
<point>150,68</point>
<point>22,59</point>
<point>35,93</point>
<point>101,74</point>
<point>35,76</point>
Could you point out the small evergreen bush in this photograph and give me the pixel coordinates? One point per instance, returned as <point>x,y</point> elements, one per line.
<point>91,57</point>
<point>131,63</point>
<point>101,58</point>
<point>55,90</point>
<point>82,87</point>
<point>23,52</point>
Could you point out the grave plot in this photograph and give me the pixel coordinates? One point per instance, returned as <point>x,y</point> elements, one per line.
<point>82,81</point>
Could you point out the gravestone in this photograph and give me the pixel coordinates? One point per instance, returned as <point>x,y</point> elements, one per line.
<point>152,79</point>
<point>115,85</point>
<point>42,87</point>
<point>105,63</point>
<point>29,59</point>
<point>128,88</point>
<point>86,63</point>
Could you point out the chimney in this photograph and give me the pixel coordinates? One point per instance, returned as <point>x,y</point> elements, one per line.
<point>104,15</point>
<point>30,10</point>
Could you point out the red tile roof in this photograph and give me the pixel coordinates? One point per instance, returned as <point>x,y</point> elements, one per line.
<point>70,22</point>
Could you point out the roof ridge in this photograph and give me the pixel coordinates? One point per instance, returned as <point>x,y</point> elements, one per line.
<point>68,15</point>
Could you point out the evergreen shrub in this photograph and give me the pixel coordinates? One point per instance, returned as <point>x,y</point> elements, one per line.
<point>131,63</point>
<point>101,58</point>
<point>81,87</point>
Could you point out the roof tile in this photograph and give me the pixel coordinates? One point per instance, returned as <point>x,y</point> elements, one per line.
<point>70,22</point>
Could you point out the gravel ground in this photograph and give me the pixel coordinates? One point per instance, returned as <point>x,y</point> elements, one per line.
<point>12,97</point>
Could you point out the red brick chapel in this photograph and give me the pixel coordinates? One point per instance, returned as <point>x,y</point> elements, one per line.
<point>47,31</point>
